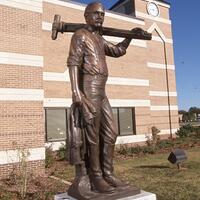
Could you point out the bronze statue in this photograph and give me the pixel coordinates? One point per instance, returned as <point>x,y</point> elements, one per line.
<point>92,129</point>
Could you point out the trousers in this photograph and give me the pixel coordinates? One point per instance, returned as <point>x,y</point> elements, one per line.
<point>103,129</point>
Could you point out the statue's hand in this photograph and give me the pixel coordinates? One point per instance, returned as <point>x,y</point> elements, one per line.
<point>141,34</point>
<point>137,30</point>
<point>77,98</point>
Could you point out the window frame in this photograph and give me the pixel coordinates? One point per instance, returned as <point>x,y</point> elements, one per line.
<point>116,8</point>
<point>66,123</point>
<point>133,120</point>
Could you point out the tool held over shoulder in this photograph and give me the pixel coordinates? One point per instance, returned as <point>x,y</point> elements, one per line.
<point>136,33</point>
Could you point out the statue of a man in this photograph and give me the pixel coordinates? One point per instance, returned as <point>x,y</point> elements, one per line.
<point>88,74</point>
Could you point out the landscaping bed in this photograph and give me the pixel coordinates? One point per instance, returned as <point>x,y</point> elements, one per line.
<point>162,146</point>
<point>38,188</point>
<point>20,187</point>
<point>146,167</point>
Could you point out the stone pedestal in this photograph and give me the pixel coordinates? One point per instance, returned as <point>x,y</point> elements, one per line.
<point>142,196</point>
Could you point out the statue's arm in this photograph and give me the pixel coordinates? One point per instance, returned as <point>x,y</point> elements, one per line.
<point>74,63</point>
<point>117,50</point>
<point>74,79</point>
<point>125,43</point>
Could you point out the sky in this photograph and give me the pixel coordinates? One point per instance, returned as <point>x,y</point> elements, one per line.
<point>185,18</point>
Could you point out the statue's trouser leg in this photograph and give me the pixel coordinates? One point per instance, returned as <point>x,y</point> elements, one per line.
<point>108,137</point>
<point>94,90</point>
<point>95,173</point>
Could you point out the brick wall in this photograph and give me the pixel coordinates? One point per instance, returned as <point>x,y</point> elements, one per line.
<point>21,84</point>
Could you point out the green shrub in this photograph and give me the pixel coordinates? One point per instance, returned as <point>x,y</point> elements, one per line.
<point>197,131</point>
<point>152,141</point>
<point>126,150</point>
<point>185,131</point>
<point>129,150</point>
<point>123,149</point>
<point>49,157</point>
<point>149,149</point>
<point>162,144</point>
<point>62,153</point>
<point>136,150</point>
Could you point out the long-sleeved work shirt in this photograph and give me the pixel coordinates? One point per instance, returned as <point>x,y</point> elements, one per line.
<point>88,50</point>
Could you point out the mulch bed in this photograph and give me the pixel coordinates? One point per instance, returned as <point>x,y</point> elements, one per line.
<point>40,188</point>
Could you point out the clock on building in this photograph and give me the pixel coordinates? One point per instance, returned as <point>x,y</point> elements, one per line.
<point>153,9</point>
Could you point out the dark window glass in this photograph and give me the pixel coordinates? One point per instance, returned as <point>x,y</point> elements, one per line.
<point>126,121</point>
<point>56,124</point>
<point>125,8</point>
<point>128,8</point>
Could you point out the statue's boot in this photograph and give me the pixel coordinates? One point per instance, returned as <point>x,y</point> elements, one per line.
<point>98,183</point>
<point>107,166</point>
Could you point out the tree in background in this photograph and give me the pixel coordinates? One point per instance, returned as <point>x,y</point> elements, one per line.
<point>190,115</point>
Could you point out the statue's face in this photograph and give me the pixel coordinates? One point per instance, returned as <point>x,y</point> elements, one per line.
<point>96,16</point>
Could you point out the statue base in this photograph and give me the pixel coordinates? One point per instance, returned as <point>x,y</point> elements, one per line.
<point>81,190</point>
<point>142,196</point>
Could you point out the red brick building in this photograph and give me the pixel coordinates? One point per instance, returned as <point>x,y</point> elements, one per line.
<point>35,91</point>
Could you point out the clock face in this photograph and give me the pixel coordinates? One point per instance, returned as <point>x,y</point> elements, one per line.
<point>152,9</point>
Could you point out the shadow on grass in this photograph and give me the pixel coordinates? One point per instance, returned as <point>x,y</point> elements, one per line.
<point>153,166</point>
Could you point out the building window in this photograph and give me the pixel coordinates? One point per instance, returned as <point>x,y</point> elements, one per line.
<point>126,7</point>
<point>56,124</point>
<point>125,120</point>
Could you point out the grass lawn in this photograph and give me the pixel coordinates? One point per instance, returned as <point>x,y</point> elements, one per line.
<point>152,173</point>
<point>155,174</point>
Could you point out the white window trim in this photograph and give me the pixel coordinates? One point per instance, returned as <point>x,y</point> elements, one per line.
<point>55,145</point>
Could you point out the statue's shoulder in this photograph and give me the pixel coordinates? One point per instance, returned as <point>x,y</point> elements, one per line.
<point>81,32</point>
<point>81,35</point>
